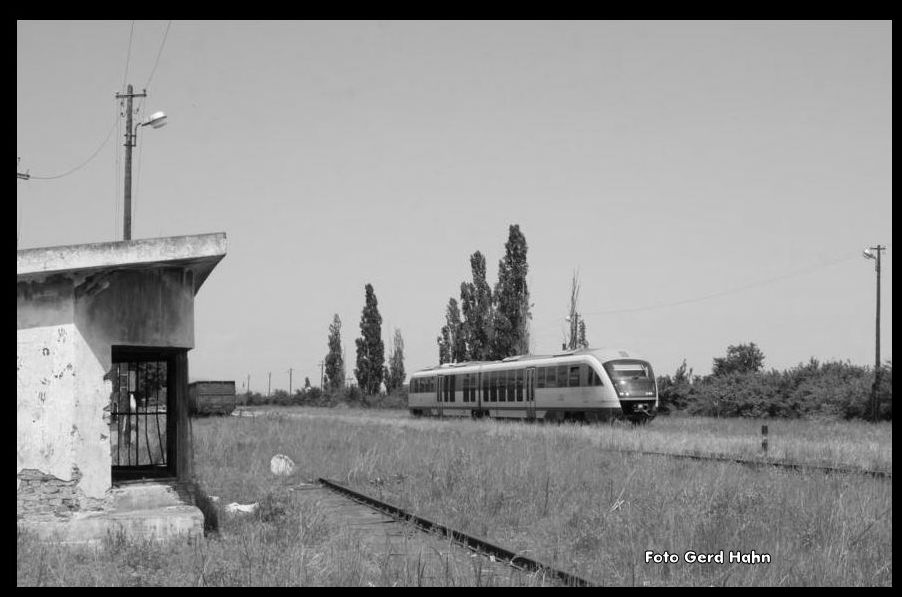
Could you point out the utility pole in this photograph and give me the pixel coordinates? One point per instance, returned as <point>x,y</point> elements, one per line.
<point>290,373</point>
<point>322,375</point>
<point>875,395</point>
<point>129,143</point>
<point>269,385</point>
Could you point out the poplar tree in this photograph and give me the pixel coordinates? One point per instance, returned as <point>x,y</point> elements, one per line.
<point>452,348</point>
<point>511,299</point>
<point>476,304</point>
<point>334,365</point>
<point>370,348</point>
<point>395,371</point>
<point>444,345</point>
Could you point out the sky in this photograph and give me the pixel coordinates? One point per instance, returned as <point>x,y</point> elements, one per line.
<point>713,183</point>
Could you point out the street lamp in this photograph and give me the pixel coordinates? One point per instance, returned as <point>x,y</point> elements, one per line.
<point>869,254</point>
<point>156,120</point>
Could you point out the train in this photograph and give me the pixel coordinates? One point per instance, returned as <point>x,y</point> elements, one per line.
<point>573,385</point>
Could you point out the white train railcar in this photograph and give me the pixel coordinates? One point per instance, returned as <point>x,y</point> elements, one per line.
<point>589,385</point>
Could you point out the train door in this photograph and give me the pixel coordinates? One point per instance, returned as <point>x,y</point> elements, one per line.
<point>531,393</point>
<point>438,394</point>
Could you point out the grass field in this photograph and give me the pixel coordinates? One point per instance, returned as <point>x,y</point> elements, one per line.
<point>546,490</point>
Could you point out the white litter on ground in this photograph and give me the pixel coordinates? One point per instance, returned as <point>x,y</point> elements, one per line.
<point>281,465</point>
<point>236,508</point>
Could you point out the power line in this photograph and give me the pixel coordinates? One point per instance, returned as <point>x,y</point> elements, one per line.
<point>117,112</point>
<point>128,54</point>
<point>83,164</point>
<point>159,53</point>
<point>794,274</point>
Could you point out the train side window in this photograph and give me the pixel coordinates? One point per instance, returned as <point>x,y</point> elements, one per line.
<point>540,377</point>
<point>594,379</point>
<point>511,385</point>
<point>551,377</point>
<point>485,386</point>
<point>520,377</point>
<point>562,376</point>
<point>453,385</point>
<point>493,391</point>
<point>573,380</point>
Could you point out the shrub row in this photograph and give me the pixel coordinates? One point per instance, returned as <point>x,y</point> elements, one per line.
<point>832,390</point>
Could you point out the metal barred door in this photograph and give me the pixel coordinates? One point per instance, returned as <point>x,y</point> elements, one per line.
<point>139,416</point>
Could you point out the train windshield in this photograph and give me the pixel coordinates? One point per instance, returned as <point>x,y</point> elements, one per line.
<point>631,378</point>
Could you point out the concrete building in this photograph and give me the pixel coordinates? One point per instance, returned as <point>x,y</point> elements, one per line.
<point>103,442</point>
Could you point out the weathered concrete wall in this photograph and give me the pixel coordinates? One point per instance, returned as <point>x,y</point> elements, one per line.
<point>66,328</point>
<point>60,394</point>
<point>137,308</point>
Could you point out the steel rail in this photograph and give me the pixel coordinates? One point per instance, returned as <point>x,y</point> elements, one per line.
<point>799,466</point>
<point>477,544</point>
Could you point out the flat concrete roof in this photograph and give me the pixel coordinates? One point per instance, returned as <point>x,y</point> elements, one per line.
<point>200,252</point>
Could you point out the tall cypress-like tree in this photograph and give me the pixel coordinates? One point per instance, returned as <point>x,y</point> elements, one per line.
<point>452,347</point>
<point>444,345</point>
<point>335,365</point>
<point>511,299</point>
<point>370,348</point>
<point>476,301</point>
<point>466,320</point>
<point>395,370</point>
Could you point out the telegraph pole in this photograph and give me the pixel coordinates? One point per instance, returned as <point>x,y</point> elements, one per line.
<point>322,375</point>
<point>269,385</point>
<point>875,395</point>
<point>129,143</point>
<point>290,373</point>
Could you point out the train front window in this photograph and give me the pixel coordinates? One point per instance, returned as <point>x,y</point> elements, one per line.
<point>631,378</point>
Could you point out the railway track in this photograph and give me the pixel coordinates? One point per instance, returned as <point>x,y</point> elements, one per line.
<point>477,544</point>
<point>761,463</point>
<point>750,462</point>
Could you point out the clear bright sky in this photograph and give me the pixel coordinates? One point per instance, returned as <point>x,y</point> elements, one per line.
<point>714,183</point>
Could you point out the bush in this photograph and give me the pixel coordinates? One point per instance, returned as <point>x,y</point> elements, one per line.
<point>834,390</point>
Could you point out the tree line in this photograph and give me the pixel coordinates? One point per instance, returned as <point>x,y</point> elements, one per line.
<point>489,324</point>
<point>739,387</point>
<point>373,375</point>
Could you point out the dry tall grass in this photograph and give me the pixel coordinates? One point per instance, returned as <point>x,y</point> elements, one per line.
<point>546,490</point>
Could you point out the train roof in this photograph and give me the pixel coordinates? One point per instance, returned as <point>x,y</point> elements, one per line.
<point>602,354</point>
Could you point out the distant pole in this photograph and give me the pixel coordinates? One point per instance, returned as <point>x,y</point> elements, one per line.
<point>875,396</point>
<point>290,373</point>
<point>269,385</point>
<point>248,383</point>
<point>322,375</point>
<point>129,143</point>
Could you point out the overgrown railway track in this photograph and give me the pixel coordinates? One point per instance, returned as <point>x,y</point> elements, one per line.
<point>477,544</point>
<point>755,463</point>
